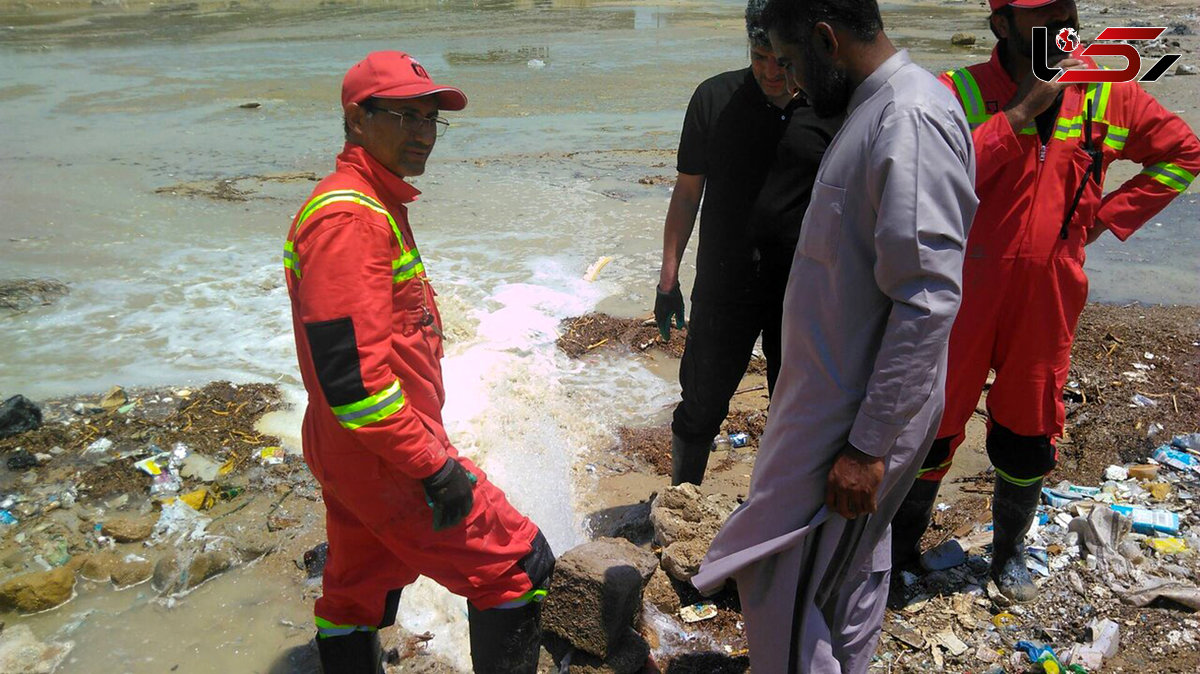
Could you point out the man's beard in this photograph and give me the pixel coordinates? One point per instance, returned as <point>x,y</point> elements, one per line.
<point>828,89</point>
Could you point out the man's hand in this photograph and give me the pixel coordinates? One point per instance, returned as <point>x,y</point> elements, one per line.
<point>448,492</point>
<point>1098,228</point>
<point>850,489</point>
<point>666,305</point>
<point>1034,96</point>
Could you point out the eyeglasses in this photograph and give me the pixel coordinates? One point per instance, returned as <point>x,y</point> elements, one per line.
<point>415,123</point>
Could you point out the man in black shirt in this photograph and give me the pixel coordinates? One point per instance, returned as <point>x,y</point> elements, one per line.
<point>752,150</point>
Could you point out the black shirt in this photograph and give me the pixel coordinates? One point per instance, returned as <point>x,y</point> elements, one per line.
<point>759,164</point>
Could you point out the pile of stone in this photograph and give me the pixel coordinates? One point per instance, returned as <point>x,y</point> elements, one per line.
<point>593,613</point>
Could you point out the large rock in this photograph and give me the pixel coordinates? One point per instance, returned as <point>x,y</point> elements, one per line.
<point>661,594</point>
<point>685,522</point>
<point>166,577</point>
<point>255,543</point>
<point>40,591</point>
<point>628,656</point>
<point>681,559</point>
<point>209,564</point>
<point>596,594</point>
<point>131,571</point>
<point>685,513</point>
<point>129,528</point>
<point>98,566</point>
<point>17,415</point>
<point>20,651</point>
<point>184,570</point>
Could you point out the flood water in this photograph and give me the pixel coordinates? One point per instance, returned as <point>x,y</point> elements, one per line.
<point>109,116</point>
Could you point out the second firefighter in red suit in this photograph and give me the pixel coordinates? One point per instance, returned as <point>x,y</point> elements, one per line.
<point>1023,281</point>
<point>400,502</point>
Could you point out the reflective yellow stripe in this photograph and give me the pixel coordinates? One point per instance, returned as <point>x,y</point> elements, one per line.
<point>1116,137</point>
<point>970,96</point>
<point>941,466</point>
<point>326,629</point>
<point>1068,127</point>
<point>1016,480</point>
<point>530,597</point>
<point>404,271</point>
<point>1101,107</point>
<point>1171,175</point>
<point>335,196</point>
<point>407,266</point>
<point>372,408</point>
<point>290,259</point>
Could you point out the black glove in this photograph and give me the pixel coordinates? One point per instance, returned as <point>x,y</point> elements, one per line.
<point>448,492</point>
<point>666,305</point>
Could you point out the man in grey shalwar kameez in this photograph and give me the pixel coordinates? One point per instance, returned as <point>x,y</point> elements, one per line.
<point>874,287</point>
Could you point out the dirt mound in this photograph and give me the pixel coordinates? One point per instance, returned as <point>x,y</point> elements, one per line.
<point>1134,370</point>
<point>589,332</point>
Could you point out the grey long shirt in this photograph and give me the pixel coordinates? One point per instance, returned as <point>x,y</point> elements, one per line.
<point>876,281</point>
<point>874,288</point>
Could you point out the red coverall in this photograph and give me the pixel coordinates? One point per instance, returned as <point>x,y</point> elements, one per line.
<point>1023,284</point>
<point>368,339</point>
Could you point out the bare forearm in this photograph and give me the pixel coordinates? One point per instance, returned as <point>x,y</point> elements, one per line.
<point>677,231</point>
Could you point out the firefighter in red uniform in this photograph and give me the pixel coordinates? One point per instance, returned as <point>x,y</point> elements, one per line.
<point>1040,203</point>
<point>400,502</point>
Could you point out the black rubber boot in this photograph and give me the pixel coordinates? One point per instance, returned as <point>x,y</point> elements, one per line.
<point>910,523</point>
<point>688,460</point>
<point>506,640</point>
<point>355,653</point>
<point>1013,510</point>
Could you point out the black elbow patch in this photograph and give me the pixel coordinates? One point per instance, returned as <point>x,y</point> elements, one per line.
<point>335,356</point>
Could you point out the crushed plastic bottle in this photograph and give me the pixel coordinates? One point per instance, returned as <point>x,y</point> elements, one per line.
<point>1176,459</point>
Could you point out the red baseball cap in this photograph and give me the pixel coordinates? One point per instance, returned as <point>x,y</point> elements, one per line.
<point>394,74</point>
<point>1022,4</point>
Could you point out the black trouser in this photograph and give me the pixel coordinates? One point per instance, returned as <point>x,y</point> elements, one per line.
<point>719,344</point>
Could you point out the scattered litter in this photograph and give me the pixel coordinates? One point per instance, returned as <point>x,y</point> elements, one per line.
<point>1158,490</point>
<point>1177,459</point>
<point>1042,655</point>
<point>1189,441</point>
<point>7,517</point>
<point>1140,400</point>
<point>314,560</point>
<point>200,499</point>
<point>1144,472</point>
<point>199,467</point>
<point>1004,620</point>
<point>21,460</point>
<point>114,399</point>
<point>1167,546</point>
<point>151,466</point>
<point>952,643</point>
<point>179,522</point>
<point>594,270</point>
<point>945,556</point>
<point>1116,474</point>
<point>271,456</point>
<point>1147,521</point>
<point>697,612</point>
<point>19,414</point>
<point>100,446</point>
